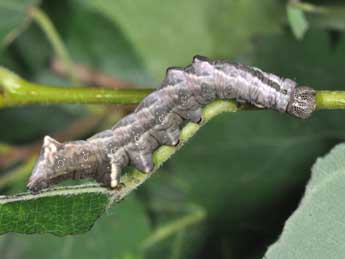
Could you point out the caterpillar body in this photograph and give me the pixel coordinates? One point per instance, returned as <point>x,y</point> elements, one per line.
<point>159,117</point>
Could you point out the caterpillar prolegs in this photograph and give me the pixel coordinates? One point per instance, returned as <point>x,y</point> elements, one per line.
<point>159,117</point>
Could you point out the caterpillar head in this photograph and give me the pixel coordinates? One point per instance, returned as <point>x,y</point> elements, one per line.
<point>45,165</point>
<point>60,161</point>
<point>302,102</point>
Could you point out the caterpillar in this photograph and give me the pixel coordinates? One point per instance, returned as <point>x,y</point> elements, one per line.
<point>159,117</point>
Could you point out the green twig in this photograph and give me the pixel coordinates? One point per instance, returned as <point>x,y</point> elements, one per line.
<point>52,35</point>
<point>17,91</point>
<point>330,100</point>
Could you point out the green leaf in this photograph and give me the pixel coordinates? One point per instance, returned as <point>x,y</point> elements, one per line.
<point>118,234</point>
<point>298,22</point>
<point>13,17</point>
<point>60,212</point>
<point>316,228</point>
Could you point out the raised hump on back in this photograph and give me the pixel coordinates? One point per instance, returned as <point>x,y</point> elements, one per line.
<point>201,66</point>
<point>199,58</point>
<point>173,76</point>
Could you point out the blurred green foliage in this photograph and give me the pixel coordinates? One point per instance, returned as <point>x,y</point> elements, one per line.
<point>247,171</point>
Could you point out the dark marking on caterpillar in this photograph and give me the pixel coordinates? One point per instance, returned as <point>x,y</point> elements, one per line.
<point>159,117</point>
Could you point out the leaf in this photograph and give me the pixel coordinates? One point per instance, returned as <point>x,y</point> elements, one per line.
<point>298,22</point>
<point>170,34</point>
<point>13,17</point>
<point>117,234</point>
<point>316,228</point>
<point>60,212</point>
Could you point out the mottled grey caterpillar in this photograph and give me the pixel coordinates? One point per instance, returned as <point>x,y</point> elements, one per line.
<point>159,117</point>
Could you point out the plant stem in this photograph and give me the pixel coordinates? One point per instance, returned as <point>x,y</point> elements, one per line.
<point>52,35</point>
<point>17,91</point>
<point>330,100</point>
